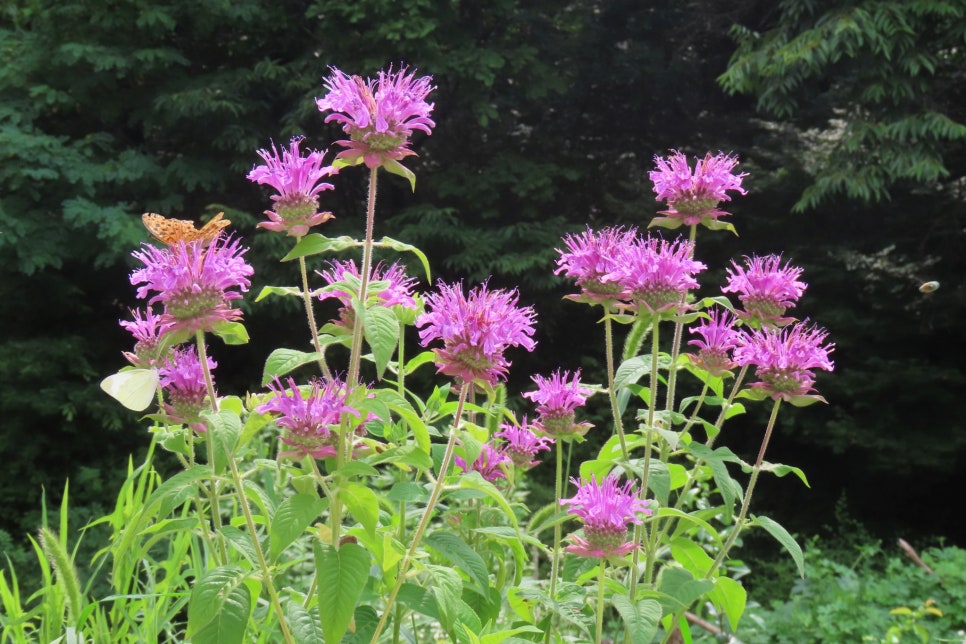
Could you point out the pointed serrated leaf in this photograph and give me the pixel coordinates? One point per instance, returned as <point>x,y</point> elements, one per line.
<point>283,361</point>
<point>382,334</point>
<point>783,537</point>
<point>315,243</point>
<point>641,620</point>
<point>303,624</point>
<point>342,574</point>
<point>462,556</point>
<point>219,606</point>
<point>729,597</point>
<point>403,247</point>
<point>292,517</point>
<point>362,504</point>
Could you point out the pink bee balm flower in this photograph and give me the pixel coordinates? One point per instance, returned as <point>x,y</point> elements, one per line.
<point>147,332</point>
<point>522,444</point>
<point>784,359</point>
<point>765,288</point>
<point>183,382</point>
<point>379,115</point>
<point>693,198</point>
<point>606,509</point>
<point>489,463</point>
<point>309,420</point>
<point>475,330</point>
<point>557,397</point>
<point>195,285</point>
<point>592,256</point>
<point>388,285</point>
<point>656,274</point>
<point>298,181</point>
<point>719,337</point>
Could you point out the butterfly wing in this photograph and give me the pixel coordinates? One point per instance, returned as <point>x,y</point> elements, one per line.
<point>133,388</point>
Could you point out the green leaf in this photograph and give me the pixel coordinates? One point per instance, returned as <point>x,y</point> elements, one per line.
<point>462,556</point>
<point>291,291</point>
<point>176,490</point>
<point>394,167</point>
<point>729,597</point>
<point>283,361</point>
<point>233,333</point>
<point>691,556</point>
<point>473,481</point>
<point>342,574</point>
<point>292,517</point>
<point>224,429</point>
<point>219,606</point>
<point>408,248</point>
<point>382,334</point>
<point>641,619</point>
<point>304,626</point>
<point>240,541</point>
<point>780,470</point>
<point>362,504</point>
<point>315,243</point>
<point>680,589</point>
<point>447,587</point>
<point>783,537</point>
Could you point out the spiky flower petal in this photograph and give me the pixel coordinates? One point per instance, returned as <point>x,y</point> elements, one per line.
<point>183,382</point>
<point>388,285</point>
<point>657,274</point>
<point>522,444</point>
<point>785,359</point>
<point>557,397</point>
<point>765,288</point>
<point>606,508</point>
<point>719,337</point>
<point>592,256</point>
<point>694,197</point>
<point>489,463</point>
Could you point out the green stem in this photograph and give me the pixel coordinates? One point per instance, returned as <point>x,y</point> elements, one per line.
<point>600,602</point>
<point>213,499</point>
<point>355,358</point>
<point>724,408</point>
<point>615,410</point>
<point>310,314</point>
<point>557,530</point>
<point>746,501</point>
<point>427,513</point>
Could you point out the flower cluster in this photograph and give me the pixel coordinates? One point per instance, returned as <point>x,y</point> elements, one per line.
<point>719,338</point>
<point>784,359</point>
<point>521,444</point>
<point>196,285</point>
<point>475,330</point>
<point>309,420</point>
<point>606,509</point>
<point>389,285</point>
<point>379,115</point>
<point>765,288</point>
<point>617,266</point>
<point>557,398</point>
<point>298,181</point>
<point>490,463</point>
<point>183,381</point>
<point>693,197</point>
<point>147,333</point>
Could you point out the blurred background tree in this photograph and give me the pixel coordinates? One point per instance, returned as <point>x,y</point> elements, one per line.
<point>847,115</point>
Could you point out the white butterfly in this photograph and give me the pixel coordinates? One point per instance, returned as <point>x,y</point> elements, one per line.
<point>133,388</point>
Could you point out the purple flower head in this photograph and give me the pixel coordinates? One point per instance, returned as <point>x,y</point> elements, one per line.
<point>719,337</point>
<point>298,181</point>
<point>310,420</point>
<point>489,463</point>
<point>656,274</point>
<point>389,285</point>
<point>522,444</point>
<point>195,285</point>
<point>784,359</point>
<point>475,330</point>
<point>183,382</point>
<point>590,257</point>
<point>557,397</point>
<point>147,332</point>
<point>606,509</point>
<point>379,115</point>
<point>765,288</point>
<point>694,197</point>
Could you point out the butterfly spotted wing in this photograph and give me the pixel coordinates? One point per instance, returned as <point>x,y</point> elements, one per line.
<point>171,231</point>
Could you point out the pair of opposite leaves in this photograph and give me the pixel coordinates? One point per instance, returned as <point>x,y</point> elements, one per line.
<point>135,387</point>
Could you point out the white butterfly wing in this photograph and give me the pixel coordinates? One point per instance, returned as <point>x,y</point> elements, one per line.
<point>133,388</point>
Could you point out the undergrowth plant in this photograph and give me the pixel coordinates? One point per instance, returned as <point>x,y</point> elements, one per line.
<point>346,506</point>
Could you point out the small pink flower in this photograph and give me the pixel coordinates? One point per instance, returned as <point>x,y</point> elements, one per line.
<point>557,398</point>
<point>656,274</point>
<point>522,444</point>
<point>489,463</point>
<point>397,289</point>
<point>310,420</point>
<point>592,256</point>
<point>148,348</point>
<point>196,285</point>
<point>784,359</point>
<point>693,198</point>
<point>379,115</point>
<point>765,288</point>
<point>183,382</point>
<point>476,330</point>
<point>719,337</point>
<point>606,509</point>
<point>298,181</point>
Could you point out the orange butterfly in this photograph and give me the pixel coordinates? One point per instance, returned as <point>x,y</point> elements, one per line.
<point>172,231</point>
